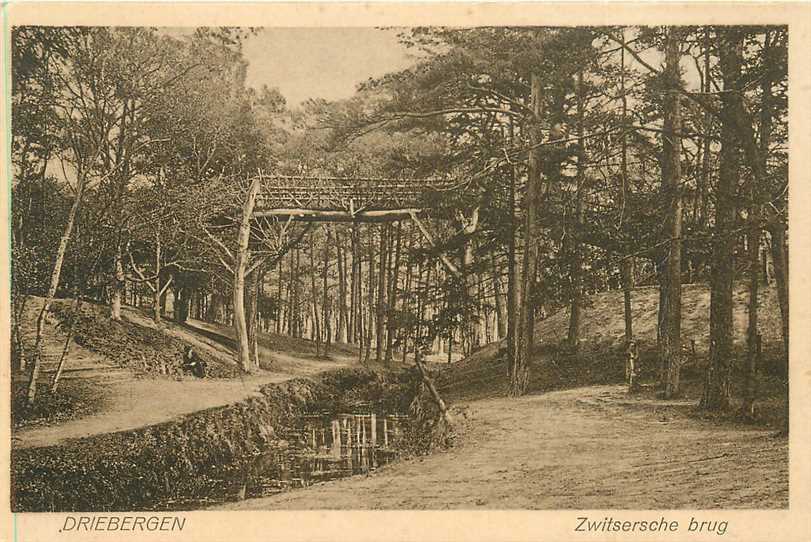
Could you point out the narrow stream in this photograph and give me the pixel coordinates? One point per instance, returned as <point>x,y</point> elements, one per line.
<point>318,448</point>
<point>326,447</point>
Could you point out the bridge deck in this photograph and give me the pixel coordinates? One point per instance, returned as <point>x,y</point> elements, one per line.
<point>340,199</point>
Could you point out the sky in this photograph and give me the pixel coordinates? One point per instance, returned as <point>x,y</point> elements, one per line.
<point>321,62</point>
<point>330,62</point>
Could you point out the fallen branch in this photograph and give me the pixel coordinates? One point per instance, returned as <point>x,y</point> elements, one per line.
<point>429,383</point>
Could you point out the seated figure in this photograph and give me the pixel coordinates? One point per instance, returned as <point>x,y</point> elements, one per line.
<point>193,364</point>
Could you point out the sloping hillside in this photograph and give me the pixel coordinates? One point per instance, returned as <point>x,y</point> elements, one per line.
<point>603,324</point>
<point>600,359</point>
<point>279,352</point>
<point>127,374</point>
<point>135,344</point>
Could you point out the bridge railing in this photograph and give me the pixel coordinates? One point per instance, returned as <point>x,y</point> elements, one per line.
<point>346,194</point>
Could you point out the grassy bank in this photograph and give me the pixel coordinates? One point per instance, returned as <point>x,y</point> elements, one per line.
<point>143,349</point>
<point>192,457</point>
<point>600,358</point>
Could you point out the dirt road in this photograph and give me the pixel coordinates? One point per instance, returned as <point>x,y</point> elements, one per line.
<point>130,401</point>
<point>133,403</point>
<point>584,448</point>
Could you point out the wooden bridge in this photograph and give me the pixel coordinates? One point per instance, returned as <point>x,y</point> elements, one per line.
<point>346,199</point>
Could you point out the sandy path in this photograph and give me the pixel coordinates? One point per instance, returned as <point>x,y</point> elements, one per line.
<point>131,402</point>
<point>139,402</point>
<point>585,448</point>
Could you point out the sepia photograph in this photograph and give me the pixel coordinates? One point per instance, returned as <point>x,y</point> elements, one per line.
<point>387,267</point>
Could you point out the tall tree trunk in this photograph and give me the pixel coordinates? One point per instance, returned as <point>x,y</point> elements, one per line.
<point>118,284</point>
<point>295,306</point>
<point>52,287</point>
<point>370,295</point>
<point>216,310</point>
<point>780,260</point>
<point>519,370</point>
<point>343,316</point>
<point>499,301</point>
<point>776,224</point>
<point>291,295</point>
<point>354,298</point>
<point>513,295</point>
<point>482,330</point>
<point>576,269</point>
<point>754,236</point>
<point>156,293</point>
<point>325,297</point>
<point>469,229</point>
<point>671,180</point>
<point>279,294</point>
<point>252,282</point>
<point>626,265</point>
<point>182,304</point>
<point>392,294</point>
<point>716,394</point>
<point>420,337</point>
<point>17,343</point>
<point>704,177</point>
<point>358,285</point>
<point>240,267</point>
<point>122,160</point>
<point>408,290</point>
<point>662,277</point>
<point>752,335</point>
<point>777,232</point>
<point>380,328</point>
<point>316,331</point>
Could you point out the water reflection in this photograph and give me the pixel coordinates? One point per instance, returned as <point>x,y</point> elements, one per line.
<point>325,447</point>
<point>318,448</point>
